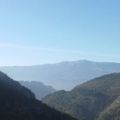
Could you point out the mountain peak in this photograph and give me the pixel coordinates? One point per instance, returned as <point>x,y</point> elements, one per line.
<point>57,75</point>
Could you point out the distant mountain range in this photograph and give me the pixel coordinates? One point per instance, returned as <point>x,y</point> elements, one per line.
<point>19,103</point>
<point>64,75</point>
<point>97,99</point>
<point>39,89</point>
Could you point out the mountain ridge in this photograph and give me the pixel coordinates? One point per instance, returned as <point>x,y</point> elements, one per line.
<point>39,89</point>
<point>19,103</point>
<point>64,75</point>
<point>89,99</point>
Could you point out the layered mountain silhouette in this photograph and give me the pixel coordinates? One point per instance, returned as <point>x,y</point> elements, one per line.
<point>64,75</point>
<point>19,103</point>
<point>97,99</point>
<point>39,89</point>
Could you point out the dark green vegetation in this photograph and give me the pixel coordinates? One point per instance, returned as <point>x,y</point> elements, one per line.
<point>19,103</point>
<point>96,99</point>
<point>39,89</point>
<point>57,75</point>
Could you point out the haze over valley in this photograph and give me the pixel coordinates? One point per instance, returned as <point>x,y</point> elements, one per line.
<point>59,59</point>
<point>63,75</point>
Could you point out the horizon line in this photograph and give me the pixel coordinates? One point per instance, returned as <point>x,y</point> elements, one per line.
<point>66,61</point>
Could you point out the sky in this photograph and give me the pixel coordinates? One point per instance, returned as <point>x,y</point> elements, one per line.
<point>48,31</point>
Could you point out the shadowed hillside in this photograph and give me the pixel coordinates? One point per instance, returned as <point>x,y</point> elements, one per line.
<point>19,103</point>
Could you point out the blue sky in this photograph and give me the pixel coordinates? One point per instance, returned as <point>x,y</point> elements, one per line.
<point>48,31</point>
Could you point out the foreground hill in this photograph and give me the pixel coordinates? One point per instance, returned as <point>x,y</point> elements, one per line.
<point>112,112</point>
<point>57,75</point>
<point>18,103</point>
<point>88,100</point>
<point>39,89</point>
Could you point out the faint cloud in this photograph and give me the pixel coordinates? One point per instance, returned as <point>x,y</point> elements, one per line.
<point>90,55</point>
<point>20,46</point>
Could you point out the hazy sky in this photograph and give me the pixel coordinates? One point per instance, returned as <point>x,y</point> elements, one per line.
<point>47,31</point>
